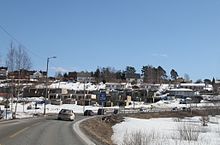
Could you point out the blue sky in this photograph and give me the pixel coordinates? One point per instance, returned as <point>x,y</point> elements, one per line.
<point>86,34</point>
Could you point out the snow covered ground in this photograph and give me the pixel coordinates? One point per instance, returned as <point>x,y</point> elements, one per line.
<point>160,131</point>
<point>166,130</point>
<point>23,112</point>
<point>162,105</point>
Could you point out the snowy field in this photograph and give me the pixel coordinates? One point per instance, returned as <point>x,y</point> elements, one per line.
<point>160,131</point>
<point>24,112</point>
<point>162,105</point>
<point>167,131</point>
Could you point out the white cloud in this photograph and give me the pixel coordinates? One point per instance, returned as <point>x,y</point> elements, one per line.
<point>159,55</point>
<point>60,69</point>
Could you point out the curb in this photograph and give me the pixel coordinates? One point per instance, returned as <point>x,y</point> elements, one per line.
<point>79,132</point>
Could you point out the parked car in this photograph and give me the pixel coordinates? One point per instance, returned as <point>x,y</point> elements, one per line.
<point>182,101</point>
<point>66,114</point>
<point>174,109</point>
<point>89,113</point>
<point>143,110</point>
<point>56,102</point>
<point>186,109</point>
<point>115,111</point>
<point>101,111</point>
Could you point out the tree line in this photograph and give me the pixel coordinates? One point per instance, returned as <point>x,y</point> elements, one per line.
<point>149,74</point>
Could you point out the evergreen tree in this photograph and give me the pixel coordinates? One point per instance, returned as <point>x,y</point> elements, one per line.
<point>173,74</point>
<point>97,75</point>
<point>130,71</point>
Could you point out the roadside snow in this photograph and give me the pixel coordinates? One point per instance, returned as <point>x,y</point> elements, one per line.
<point>165,130</point>
<point>23,112</point>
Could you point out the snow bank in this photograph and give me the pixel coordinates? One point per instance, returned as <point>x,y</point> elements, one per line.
<point>165,130</point>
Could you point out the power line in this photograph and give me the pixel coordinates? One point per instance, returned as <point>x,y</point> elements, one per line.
<point>17,41</point>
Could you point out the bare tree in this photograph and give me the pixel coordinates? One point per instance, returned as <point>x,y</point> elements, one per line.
<point>23,61</point>
<point>11,56</point>
<point>17,59</point>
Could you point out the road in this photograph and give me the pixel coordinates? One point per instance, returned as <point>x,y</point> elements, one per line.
<point>39,131</point>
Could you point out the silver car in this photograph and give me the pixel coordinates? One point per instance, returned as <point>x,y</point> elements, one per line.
<point>66,114</point>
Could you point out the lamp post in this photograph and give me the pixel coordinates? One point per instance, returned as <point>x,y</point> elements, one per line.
<point>48,59</point>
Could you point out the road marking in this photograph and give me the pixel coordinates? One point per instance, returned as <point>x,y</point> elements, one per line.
<point>18,132</point>
<point>35,124</point>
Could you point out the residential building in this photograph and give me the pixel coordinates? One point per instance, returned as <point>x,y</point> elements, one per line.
<point>133,78</point>
<point>85,77</point>
<point>193,86</point>
<point>181,92</point>
<point>3,73</point>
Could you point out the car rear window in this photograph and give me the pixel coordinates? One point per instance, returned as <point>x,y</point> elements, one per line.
<point>66,111</point>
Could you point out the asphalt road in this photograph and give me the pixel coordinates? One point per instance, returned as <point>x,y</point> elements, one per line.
<point>40,131</point>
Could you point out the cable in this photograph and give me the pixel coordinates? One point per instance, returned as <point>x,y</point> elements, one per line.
<point>16,40</point>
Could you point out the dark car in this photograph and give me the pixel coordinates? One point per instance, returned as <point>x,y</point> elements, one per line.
<point>115,111</point>
<point>174,109</point>
<point>89,113</point>
<point>186,109</point>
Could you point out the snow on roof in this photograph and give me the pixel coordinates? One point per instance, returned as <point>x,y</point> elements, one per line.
<point>74,86</point>
<point>193,84</point>
<point>181,90</point>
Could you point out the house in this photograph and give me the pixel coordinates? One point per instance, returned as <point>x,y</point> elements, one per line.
<point>193,86</point>
<point>38,75</point>
<point>85,77</point>
<point>34,92</point>
<point>131,78</point>
<point>181,92</point>
<point>3,73</point>
<point>115,86</point>
<point>72,76</point>
<point>21,74</point>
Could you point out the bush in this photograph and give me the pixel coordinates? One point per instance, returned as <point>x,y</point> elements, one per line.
<point>140,138</point>
<point>188,132</point>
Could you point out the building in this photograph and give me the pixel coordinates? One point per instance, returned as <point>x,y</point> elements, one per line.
<point>181,92</point>
<point>115,86</point>
<point>3,73</point>
<point>85,77</point>
<point>133,78</point>
<point>21,74</point>
<point>193,86</point>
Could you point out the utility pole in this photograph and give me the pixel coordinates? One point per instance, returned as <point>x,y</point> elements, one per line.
<point>45,98</point>
<point>18,92</point>
<point>84,90</point>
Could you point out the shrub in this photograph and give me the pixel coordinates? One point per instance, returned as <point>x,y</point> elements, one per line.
<point>188,132</point>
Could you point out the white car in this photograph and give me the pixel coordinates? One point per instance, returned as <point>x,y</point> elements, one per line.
<point>66,114</point>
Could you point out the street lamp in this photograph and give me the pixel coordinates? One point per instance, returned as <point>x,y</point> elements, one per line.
<point>48,59</point>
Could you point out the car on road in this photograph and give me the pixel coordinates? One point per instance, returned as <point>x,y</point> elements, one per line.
<point>66,114</point>
<point>89,113</point>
